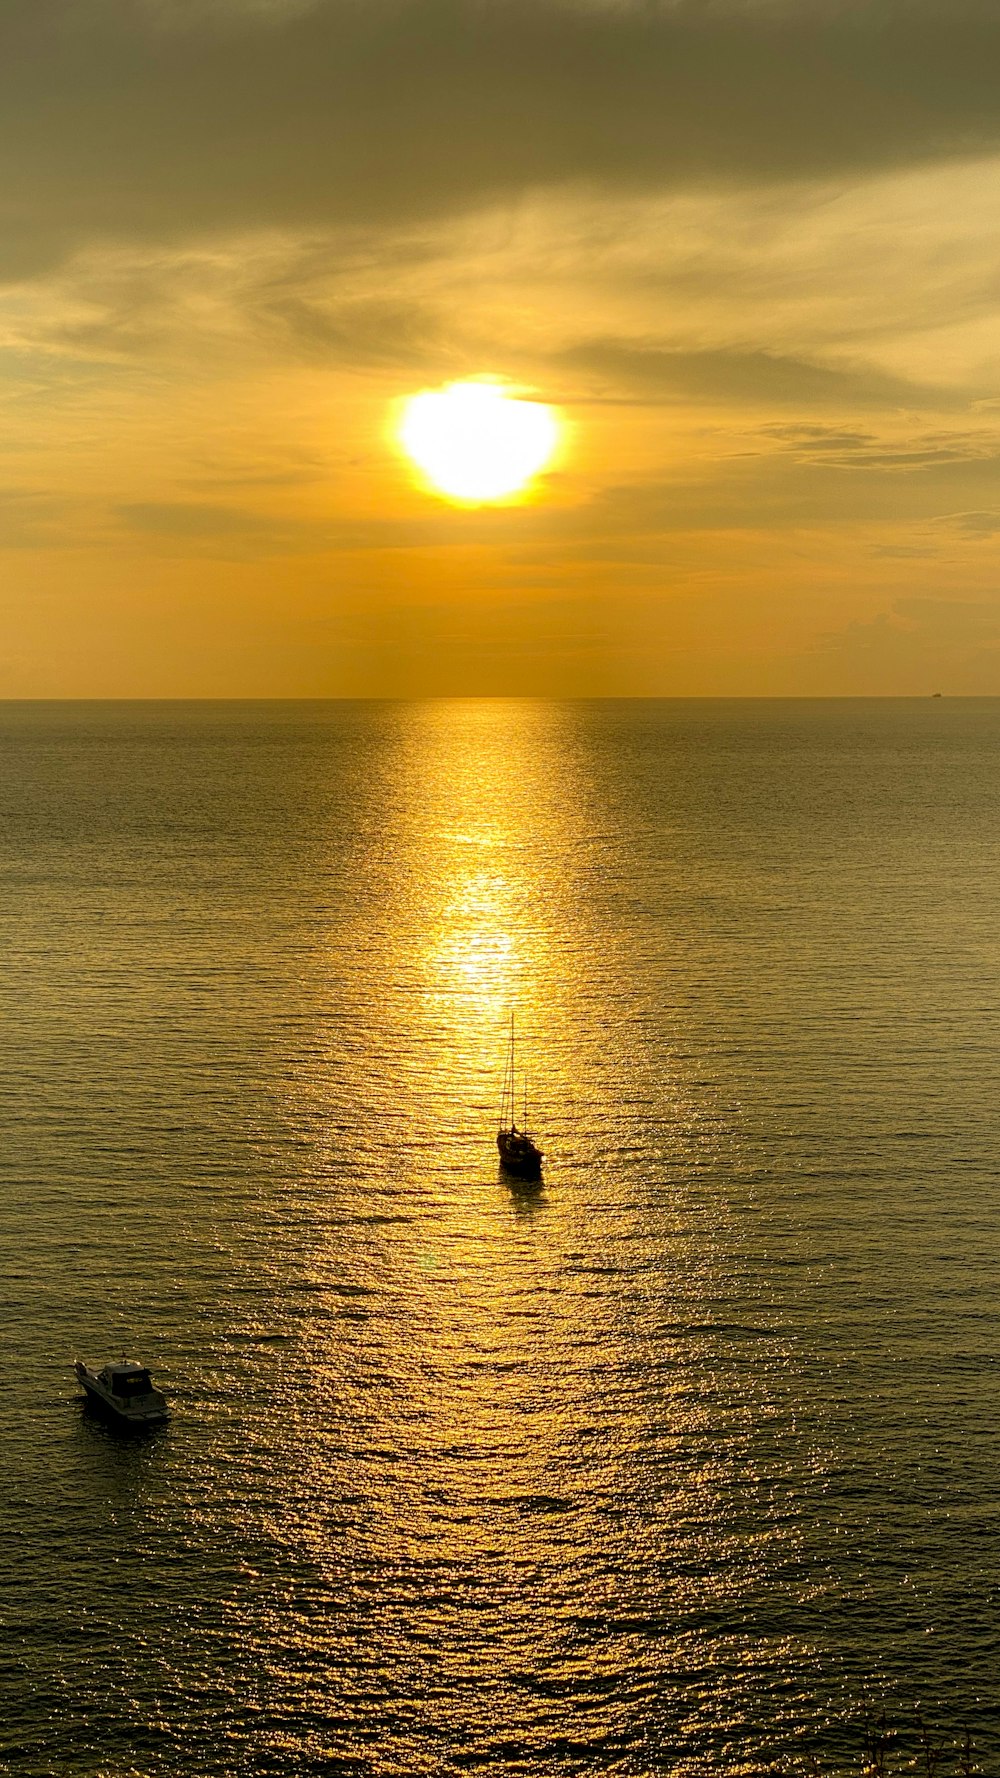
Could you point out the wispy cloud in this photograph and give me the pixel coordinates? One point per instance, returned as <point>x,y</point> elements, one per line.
<point>648,372</point>
<point>915,452</point>
<point>971,524</point>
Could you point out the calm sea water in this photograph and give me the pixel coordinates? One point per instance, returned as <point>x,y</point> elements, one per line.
<point>666,1468</point>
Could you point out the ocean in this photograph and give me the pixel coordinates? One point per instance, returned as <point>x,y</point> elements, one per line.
<point>676,1465</point>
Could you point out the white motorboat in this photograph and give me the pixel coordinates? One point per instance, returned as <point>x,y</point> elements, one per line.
<point>124,1390</point>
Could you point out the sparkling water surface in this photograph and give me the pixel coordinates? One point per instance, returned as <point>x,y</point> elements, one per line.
<point>664,1468</point>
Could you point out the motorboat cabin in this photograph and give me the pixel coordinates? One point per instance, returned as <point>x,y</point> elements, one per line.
<point>125,1390</point>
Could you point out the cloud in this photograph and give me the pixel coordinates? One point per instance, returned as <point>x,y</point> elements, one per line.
<point>196,527</point>
<point>973,454</point>
<point>648,372</point>
<point>757,482</point>
<point>370,332</point>
<point>246,116</point>
<point>930,642</point>
<point>971,524</point>
<point>193,528</point>
<point>30,519</point>
<point>807,299</point>
<point>227,302</point>
<point>189,518</point>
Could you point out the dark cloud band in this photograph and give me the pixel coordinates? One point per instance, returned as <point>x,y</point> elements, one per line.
<point>144,122</point>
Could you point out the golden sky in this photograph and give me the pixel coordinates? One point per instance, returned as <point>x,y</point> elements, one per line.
<point>750,251</point>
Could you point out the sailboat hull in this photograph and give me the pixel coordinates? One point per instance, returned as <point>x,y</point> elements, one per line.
<point>518,1155</point>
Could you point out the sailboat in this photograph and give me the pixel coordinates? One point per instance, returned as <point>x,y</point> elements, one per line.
<point>519,1153</point>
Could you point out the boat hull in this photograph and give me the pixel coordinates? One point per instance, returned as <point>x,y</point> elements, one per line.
<point>518,1155</point>
<point>148,1410</point>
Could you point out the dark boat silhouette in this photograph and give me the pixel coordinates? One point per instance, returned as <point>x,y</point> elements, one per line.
<point>519,1153</point>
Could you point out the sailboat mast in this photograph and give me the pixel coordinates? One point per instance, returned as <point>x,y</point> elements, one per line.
<point>513,1101</point>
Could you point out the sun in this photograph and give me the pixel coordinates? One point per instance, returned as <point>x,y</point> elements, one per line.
<point>476,441</point>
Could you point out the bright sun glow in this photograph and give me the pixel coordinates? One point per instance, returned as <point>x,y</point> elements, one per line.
<point>476,442</point>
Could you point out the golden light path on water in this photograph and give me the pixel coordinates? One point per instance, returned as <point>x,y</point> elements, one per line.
<point>532,1446</point>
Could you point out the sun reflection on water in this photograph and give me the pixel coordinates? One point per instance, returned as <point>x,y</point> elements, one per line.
<point>516,1407</point>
